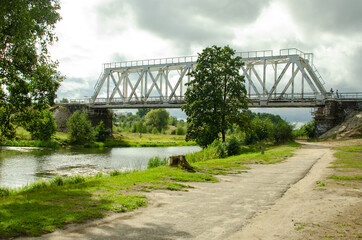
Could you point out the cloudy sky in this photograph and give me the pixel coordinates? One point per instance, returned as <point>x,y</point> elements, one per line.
<point>95,32</point>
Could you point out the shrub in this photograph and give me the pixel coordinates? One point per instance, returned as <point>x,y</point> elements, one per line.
<point>233,147</point>
<point>115,173</point>
<point>213,151</point>
<point>41,124</point>
<point>154,130</point>
<point>309,129</point>
<point>180,131</point>
<point>282,132</point>
<point>101,132</point>
<point>57,181</point>
<point>4,192</point>
<point>219,148</point>
<point>80,128</point>
<point>156,162</point>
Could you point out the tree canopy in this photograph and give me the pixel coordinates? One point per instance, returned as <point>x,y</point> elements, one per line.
<point>27,74</point>
<point>216,95</point>
<point>158,119</point>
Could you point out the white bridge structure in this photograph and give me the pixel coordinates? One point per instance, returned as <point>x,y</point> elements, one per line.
<point>286,79</point>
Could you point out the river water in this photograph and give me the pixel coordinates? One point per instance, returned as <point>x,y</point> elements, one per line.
<point>21,166</point>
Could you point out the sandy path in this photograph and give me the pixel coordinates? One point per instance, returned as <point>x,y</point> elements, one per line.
<point>254,205</point>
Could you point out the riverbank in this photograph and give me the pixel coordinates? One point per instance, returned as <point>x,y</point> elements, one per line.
<point>279,201</point>
<point>60,139</point>
<point>45,206</point>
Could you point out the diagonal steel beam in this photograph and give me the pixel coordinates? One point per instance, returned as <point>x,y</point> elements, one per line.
<point>179,81</point>
<point>133,89</point>
<point>259,79</point>
<point>116,87</point>
<point>249,79</point>
<point>154,84</point>
<point>305,75</point>
<point>279,79</point>
<point>289,82</point>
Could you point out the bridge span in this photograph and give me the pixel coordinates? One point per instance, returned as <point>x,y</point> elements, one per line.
<point>288,79</point>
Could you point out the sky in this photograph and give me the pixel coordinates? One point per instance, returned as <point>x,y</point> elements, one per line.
<point>99,31</point>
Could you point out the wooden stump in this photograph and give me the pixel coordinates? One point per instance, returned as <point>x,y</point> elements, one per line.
<point>180,160</point>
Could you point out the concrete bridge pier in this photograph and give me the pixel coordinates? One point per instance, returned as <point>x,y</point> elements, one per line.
<point>62,113</point>
<point>333,113</point>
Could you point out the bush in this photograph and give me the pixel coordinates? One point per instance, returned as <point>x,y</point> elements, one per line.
<point>7,128</point>
<point>57,181</point>
<point>80,128</point>
<point>219,148</point>
<point>41,124</point>
<point>213,151</point>
<point>156,162</point>
<point>180,131</point>
<point>233,147</point>
<point>154,130</point>
<point>309,129</point>
<point>101,132</point>
<point>115,173</point>
<point>4,192</point>
<point>282,132</point>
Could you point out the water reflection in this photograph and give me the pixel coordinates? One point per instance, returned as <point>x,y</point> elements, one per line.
<point>20,168</point>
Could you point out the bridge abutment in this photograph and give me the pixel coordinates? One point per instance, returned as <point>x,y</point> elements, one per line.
<point>62,113</point>
<point>333,113</point>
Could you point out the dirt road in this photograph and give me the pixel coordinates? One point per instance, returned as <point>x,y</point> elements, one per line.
<point>264,203</point>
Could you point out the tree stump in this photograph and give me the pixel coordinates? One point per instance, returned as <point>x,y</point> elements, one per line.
<point>180,160</point>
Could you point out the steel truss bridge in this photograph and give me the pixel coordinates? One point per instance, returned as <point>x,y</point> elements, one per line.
<point>286,79</point>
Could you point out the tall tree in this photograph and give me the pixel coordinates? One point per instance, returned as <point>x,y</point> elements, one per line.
<point>216,95</point>
<point>157,118</point>
<point>27,74</point>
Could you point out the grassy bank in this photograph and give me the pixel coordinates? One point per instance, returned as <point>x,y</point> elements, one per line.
<point>44,206</point>
<point>60,139</point>
<point>348,165</point>
<point>147,140</point>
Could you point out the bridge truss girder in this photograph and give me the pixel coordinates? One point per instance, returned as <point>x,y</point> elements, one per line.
<point>285,80</point>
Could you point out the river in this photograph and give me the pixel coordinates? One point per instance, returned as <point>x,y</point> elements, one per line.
<point>21,166</point>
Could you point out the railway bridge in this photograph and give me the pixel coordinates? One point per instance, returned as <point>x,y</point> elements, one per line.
<point>287,79</point>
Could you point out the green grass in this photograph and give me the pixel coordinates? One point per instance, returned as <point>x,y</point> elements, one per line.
<point>23,139</point>
<point>46,205</point>
<point>348,157</point>
<point>349,160</point>
<point>235,164</point>
<point>346,177</point>
<point>147,140</point>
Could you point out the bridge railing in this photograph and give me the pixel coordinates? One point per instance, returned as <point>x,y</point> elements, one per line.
<point>187,59</point>
<point>295,51</point>
<point>158,99</point>
<point>255,54</point>
<point>347,95</point>
<point>151,62</point>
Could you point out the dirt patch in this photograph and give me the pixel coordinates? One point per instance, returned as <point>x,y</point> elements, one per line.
<point>315,208</point>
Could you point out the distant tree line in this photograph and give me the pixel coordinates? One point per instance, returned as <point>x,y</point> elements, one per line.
<point>156,121</point>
